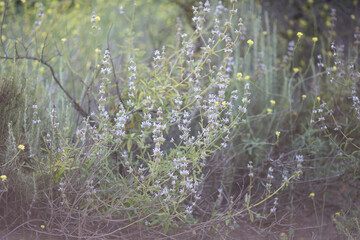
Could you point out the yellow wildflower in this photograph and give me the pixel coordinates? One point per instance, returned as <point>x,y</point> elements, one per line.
<point>269,110</point>
<point>318,98</point>
<point>334,68</point>
<point>299,34</point>
<point>97,18</point>
<point>289,32</point>
<point>303,96</point>
<point>315,39</point>
<point>3,177</point>
<point>239,76</point>
<point>277,134</point>
<point>302,23</point>
<point>247,77</point>
<point>217,103</point>
<point>250,42</point>
<point>97,50</point>
<point>223,103</point>
<point>63,40</point>
<point>272,102</point>
<point>265,33</point>
<point>21,147</point>
<point>296,70</point>
<point>352,16</point>
<point>312,195</point>
<point>310,1</point>
<point>337,213</point>
<point>42,226</point>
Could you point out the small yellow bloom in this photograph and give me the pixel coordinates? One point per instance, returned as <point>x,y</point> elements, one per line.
<point>250,42</point>
<point>296,70</point>
<point>289,32</point>
<point>3,178</point>
<point>49,11</point>
<point>97,50</point>
<point>21,147</point>
<point>223,103</point>
<point>303,96</point>
<point>97,18</point>
<point>334,68</point>
<point>265,33</point>
<point>2,4</point>
<point>299,34</point>
<point>239,76</point>
<point>23,1</point>
<point>272,102</point>
<point>352,16</point>
<point>302,23</point>
<point>247,77</point>
<point>3,38</point>
<point>277,134</point>
<point>42,69</point>
<point>217,103</point>
<point>328,23</point>
<point>318,98</point>
<point>63,40</point>
<point>315,39</point>
<point>269,111</point>
<point>337,213</point>
<point>326,7</point>
<point>312,195</point>
<point>42,226</point>
<point>310,1</point>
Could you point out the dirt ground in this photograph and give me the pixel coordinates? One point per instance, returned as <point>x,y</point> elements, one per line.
<point>304,227</point>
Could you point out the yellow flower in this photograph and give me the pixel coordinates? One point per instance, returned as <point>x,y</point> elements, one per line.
<point>303,96</point>
<point>328,23</point>
<point>269,110</point>
<point>97,18</point>
<point>312,195</point>
<point>296,70</point>
<point>289,32</point>
<point>97,50</point>
<point>2,4</point>
<point>325,6</point>
<point>310,1</point>
<point>21,147</point>
<point>217,103</point>
<point>315,39</point>
<point>302,23</point>
<point>63,40</point>
<point>352,16</point>
<point>3,38</point>
<point>3,177</point>
<point>42,226</point>
<point>239,76</point>
<point>223,103</point>
<point>318,98</point>
<point>247,77</point>
<point>299,34</point>
<point>272,102</point>
<point>265,33</point>
<point>250,42</point>
<point>277,134</point>
<point>337,213</point>
<point>334,68</point>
